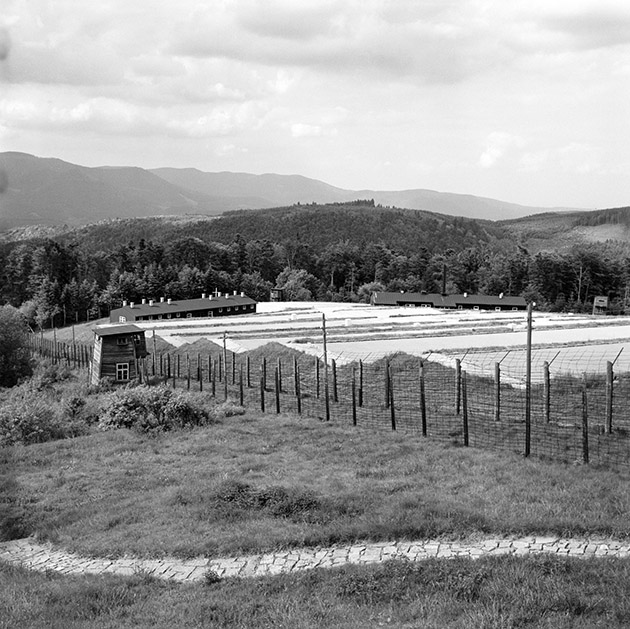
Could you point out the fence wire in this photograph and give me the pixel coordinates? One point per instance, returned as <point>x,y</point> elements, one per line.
<point>575,410</point>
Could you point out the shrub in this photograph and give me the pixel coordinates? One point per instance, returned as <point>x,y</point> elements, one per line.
<point>15,362</point>
<point>29,419</point>
<point>151,409</point>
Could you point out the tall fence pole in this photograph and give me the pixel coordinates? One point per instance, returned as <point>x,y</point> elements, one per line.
<point>423,403</point>
<point>334,379</point>
<point>458,386</point>
<point>465,408</point>
<point>497,392</point>
<point>298,388</point>
<point>390,388</point>
<point>609,397</point>
<point>528,382</point>
<point>326,392</point>
<point>585,456</point>
<point>360,383</point>
<point>547,392</point>
<point>354,396</point>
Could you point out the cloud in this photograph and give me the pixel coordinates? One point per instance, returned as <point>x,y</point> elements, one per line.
<point>497,145</point>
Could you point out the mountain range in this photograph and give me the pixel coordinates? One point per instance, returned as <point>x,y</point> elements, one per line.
<point>52,192</point>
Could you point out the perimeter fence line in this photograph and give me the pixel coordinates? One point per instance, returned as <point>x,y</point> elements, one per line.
<point>579,412</point>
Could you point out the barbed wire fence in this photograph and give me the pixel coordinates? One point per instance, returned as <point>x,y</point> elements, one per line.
<point>579,398</point>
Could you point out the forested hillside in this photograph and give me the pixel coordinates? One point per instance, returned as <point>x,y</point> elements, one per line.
<point>329,252</point>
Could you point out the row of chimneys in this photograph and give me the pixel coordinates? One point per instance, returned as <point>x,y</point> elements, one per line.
<point>169,301</point>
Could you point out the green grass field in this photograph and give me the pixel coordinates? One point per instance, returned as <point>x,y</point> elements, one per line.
<point>254,482</point>
<point>498,593</point>
<point>259,483</point>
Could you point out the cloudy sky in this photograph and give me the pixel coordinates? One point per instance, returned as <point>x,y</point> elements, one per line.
<point>521,100</point>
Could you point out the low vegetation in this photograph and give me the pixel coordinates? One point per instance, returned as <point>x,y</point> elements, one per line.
<point>505,592</point>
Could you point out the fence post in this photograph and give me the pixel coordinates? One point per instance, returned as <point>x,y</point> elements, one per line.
<point>360,383</point>
<point>233,367</point>
<point>264,372</point>
<point>354,396</point>
<point>423,403</point>
<point>528,381</point>
<point>178,365</point>
<point>240,385</point>
<point>317,377</point>
<point>584,421</point>
<point>334,377</point>
<point>188,371</point>
<point>247,366</point>
<point>262,386</point>
<point>277,387</point>
<point>279,367</point>
<point>296,384</point>
<point>497,392</point>
<point>214,379</point>
<point>387,396</point>
<point>464,391</point>
<point>220,368</point>
<point>200,373</point>
<point>609,397</point>
<point>547,392</point>
<point>390,388</point>
<point>298,391</point>
<point>458,385</point>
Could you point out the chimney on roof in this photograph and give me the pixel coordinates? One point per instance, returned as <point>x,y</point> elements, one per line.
<point>500,295</point>
<point>465,294</point>
<point>144,301</point>
<point>203,295</point>
<point>124,302</point>
<point>227,295</point>
<point>242,294</point>
<point>150,302</point>
<point>169,300</point>
<point>210,297</point>
<point>132,304</point>
<point>234,293</point>
<point>161,300</point>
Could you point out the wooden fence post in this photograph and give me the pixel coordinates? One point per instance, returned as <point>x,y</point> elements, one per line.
<point>584,420</point>
<point>188,371</point>
<point>423,404</point>
<point>277,387</point>
<point>360,383</point>
<point>387,383</point>
<point>354,396</point>
<point>279,368</point>
<point>609,397</point>
<point>233,367</point>
<point>262,389</point>
<point>547,392</point>
<point>458,385</point>
<point>497,392</point>
<point>390,388</point>
<point>298,391</point>
<point>247,366</point>
<point>464,407</point>
<point>317,377</point>
<point>214,380</point>
<point>240,385</point>
<point>264,372</point>
<point>334,377</point>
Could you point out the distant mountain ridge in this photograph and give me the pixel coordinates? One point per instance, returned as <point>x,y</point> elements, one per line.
<point>52,192</point>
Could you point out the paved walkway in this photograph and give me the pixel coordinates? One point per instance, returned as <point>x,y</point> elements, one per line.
<point>28,553</point>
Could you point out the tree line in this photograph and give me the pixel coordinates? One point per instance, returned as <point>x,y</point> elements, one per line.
<point>62,281</point>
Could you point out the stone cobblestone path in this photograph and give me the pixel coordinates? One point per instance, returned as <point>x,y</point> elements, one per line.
<point>31,554</point>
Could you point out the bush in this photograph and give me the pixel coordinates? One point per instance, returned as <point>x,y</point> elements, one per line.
<point>15,362</point>
<point>151,409</point>
<point>29,419</point>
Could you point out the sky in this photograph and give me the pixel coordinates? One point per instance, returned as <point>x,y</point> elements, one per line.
<point>525,101</point>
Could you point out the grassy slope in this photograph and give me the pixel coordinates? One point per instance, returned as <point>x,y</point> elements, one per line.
<point>505,592</point>
<point>257,482</point>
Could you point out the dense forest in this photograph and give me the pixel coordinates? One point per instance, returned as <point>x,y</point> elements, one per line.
<point>334,252</point>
